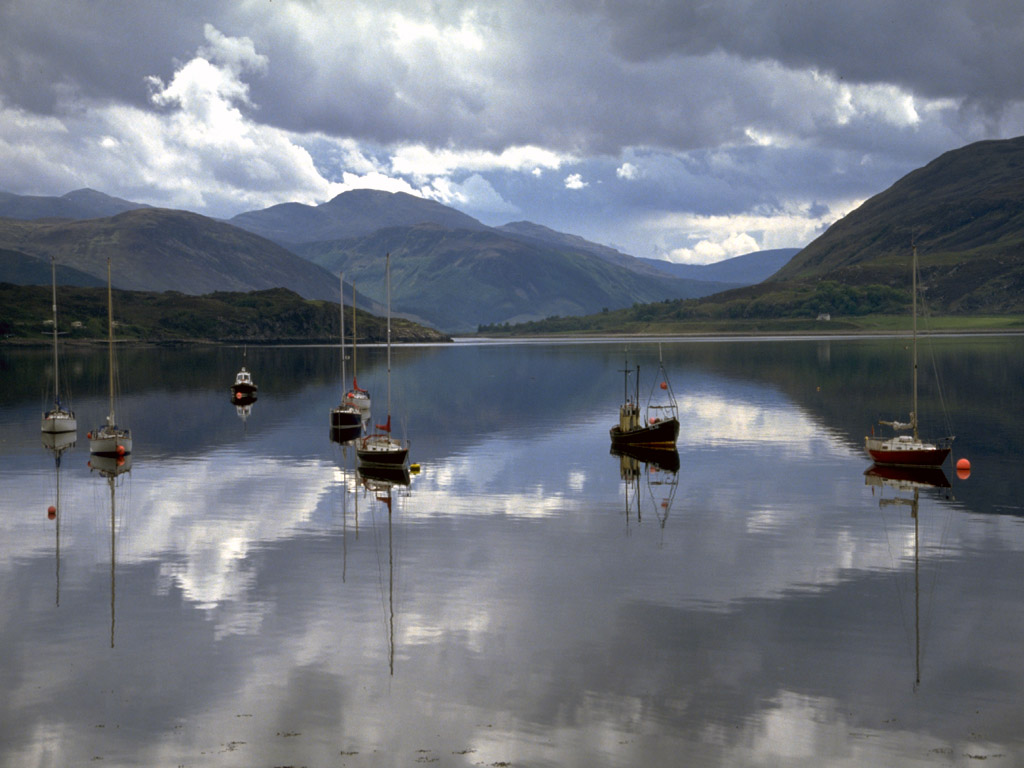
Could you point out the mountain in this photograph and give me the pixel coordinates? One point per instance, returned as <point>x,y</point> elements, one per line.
<point>964,211</point>
<point>155,249</point>
<point>80,204</point>
<point>355,213</point>
<point>747,269</point>
<point>457,280</point>
<point>527,230</point>
<point>19,269</point>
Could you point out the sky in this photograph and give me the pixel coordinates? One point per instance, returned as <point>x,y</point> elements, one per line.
<point>680,130</point>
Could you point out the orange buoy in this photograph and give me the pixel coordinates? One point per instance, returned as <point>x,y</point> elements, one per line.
<point>89,435</point>
<point>664,385</point>
<point>963,469</point>
<point>120,450</point>
<point>238,395</point>
<point>51,512</point>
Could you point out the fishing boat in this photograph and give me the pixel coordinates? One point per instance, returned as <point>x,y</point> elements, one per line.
<point>661,427</point>
<point>244,386</point>
<point>345,416</point>
<point>381,448</point>
<point>59,418</point>
<point>110,439</point>
<point>908,449</point>
<point>357,397</point>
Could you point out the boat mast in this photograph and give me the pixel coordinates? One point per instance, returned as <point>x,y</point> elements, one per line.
<point>341,314</point>
<point>53,281</point>
<point>110,344</point>
<point>913,415</point>
<point>387,291</point>
<point>354,334</point>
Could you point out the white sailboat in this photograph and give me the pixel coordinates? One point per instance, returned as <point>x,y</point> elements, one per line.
<point>381,448</point>
<point>58,419</point>
<point>110,439</point>
<point>345,416</point>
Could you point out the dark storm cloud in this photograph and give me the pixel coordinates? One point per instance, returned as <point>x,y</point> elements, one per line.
<point>964,48</point>
<point>598,118</point>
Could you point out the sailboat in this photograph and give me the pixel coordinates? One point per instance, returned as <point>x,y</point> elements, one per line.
<point>110,439</point>
<point>662,426</point>
<point>908,450</point>
<point>357,396</point>
<point>58,419</point>
<point>346,417</point>
<point>244,386</point>
<point>380,448</point>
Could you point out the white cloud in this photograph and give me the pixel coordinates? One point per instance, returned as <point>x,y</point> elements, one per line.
<point>475,195</point>
<point>420,162</point>
<point>575,181</point>
<point>627,171</point>
<point>709,239</point>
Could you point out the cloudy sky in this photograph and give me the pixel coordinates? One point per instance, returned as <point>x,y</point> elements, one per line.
<point>674,129</point>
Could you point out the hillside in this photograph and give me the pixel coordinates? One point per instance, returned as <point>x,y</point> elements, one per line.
<point>351,214</point>
<point>458,279</point>
<point>276,315</point>
<point>965,212</point>
<point>155,249</point>
<point>80,204</point>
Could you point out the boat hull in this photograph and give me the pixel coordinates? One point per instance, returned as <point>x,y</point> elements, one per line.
<point>895,453</point>
<point>110,442</point>
<point>661,434</point>
<point>382,451</point>
<point>58,421</point>
<point>344,417</point>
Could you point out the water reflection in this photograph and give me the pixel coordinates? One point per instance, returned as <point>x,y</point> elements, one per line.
<point>114,469</point>
<point>651,477</point>
<point>262,593</point>
<point>908,480</point>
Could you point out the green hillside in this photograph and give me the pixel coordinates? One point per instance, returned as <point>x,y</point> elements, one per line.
<point>274,315</point>
<point>155,249</point>
<point>965,212</point>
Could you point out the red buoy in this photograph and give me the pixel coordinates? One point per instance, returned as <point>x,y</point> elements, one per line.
<point>51,512</point>
<point>120,450</point>
<point>664,385</point>
<point>238,395</point>
<point>963,469</point>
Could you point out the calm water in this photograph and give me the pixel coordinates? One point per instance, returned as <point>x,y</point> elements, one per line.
<point>531,599</point>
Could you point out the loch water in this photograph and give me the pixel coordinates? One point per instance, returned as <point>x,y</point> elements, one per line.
<point>243,596</point>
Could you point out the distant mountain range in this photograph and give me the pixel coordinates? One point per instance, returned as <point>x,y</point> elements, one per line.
<point>964,211</point>
<point>449,270</point>
<point>154,249</point>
